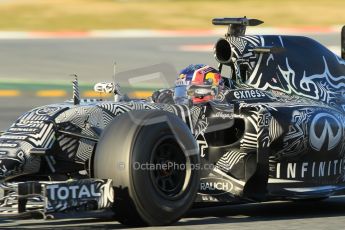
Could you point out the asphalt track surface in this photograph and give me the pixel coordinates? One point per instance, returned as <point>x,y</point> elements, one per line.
<point>328,214</point>
<point>92,59</point>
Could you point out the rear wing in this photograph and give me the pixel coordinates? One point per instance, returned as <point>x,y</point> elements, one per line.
<point>236,26</point>
<point>343,43</point>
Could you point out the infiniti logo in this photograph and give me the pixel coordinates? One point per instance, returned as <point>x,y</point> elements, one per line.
<point>325,127</point>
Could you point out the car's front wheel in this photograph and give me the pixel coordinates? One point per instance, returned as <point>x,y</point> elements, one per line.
<point>151,156</point>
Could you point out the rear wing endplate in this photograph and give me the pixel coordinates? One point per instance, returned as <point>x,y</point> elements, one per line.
<point>343,43</point>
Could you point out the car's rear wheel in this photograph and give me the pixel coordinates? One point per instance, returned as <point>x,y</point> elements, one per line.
<point>314,199</point>
<point>151,156</point>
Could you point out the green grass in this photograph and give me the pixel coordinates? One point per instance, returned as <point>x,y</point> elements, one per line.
<point>55,15</point>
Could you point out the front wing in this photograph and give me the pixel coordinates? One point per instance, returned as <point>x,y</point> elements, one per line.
<point>45,199</point>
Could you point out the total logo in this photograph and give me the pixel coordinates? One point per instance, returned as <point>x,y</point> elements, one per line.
<point>214,186</point>
<point>249,94</point>
<point>57,192</point>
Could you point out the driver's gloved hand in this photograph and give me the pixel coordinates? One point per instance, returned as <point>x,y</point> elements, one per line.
<point>165,96</point>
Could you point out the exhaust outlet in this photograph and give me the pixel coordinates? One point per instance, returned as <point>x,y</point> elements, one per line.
<point>222,51</point>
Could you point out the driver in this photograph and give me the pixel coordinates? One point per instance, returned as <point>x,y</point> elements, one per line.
<point>197,76</point>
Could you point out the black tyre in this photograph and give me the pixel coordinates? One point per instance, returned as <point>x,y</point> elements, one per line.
<point>314,199</point>
<point>145,195</point>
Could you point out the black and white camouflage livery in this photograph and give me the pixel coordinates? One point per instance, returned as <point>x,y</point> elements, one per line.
<point>276,131</point>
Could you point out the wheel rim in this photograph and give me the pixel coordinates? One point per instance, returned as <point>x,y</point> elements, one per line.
<point>170,173</point>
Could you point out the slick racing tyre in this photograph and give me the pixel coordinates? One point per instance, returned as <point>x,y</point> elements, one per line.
<point>314,199</point>
<point>149,155</point>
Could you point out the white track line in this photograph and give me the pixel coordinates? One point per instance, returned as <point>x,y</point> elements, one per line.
<point>130,33</point>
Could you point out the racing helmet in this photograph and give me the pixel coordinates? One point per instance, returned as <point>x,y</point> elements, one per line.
<point>197,84</point>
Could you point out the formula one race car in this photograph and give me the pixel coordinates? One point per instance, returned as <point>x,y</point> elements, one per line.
<point>274,130</point>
